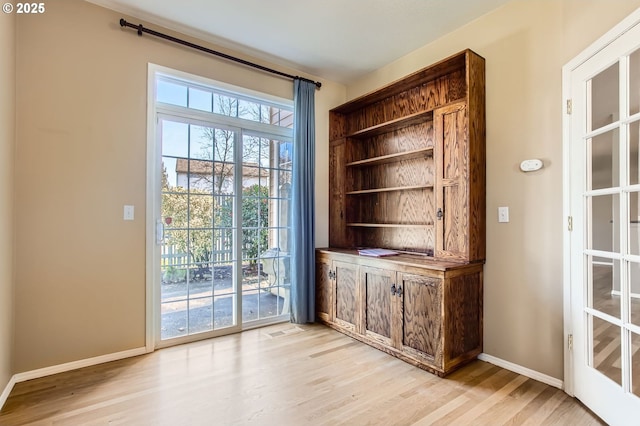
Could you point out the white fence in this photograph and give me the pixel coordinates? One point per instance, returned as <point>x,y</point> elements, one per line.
<point>171,256</point>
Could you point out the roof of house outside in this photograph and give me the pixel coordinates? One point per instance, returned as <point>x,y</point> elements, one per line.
<point>205,167</point>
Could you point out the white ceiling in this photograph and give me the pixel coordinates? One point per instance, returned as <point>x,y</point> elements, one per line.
<point>339,40</point>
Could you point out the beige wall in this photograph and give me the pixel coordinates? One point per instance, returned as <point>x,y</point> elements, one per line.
<point>7,142</point>
<point>81,155</point>
<point>525,44</point>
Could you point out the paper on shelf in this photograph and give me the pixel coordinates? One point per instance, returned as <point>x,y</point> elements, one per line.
<point>377,252</point>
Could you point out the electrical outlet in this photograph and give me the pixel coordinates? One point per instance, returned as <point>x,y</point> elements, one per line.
<point>503,214</point>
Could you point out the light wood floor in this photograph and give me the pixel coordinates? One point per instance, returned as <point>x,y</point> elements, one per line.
<point>286,375</point>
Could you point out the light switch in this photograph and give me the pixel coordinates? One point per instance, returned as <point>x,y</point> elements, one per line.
<point>503,214</point>
<point>128,212</point>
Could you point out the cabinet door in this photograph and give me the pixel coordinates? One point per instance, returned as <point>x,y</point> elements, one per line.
<point>324,290</point>
<point>452,207</point>
<point>421,312</point>
<point>379,288</point>
<point>347,305</point>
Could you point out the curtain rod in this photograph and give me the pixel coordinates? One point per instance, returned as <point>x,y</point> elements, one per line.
<point>142,29</point>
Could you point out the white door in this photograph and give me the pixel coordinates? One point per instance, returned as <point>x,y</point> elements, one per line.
<point>601,139</point>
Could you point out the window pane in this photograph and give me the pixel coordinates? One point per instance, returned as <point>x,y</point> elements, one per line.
<point>284,181</point>
<point>223,214</point>
<point>222,277</point>
<point>223,179</point>
<point>200,315</point>
<point>265,114</point>
<point>607,349</point>
<point>634,83</point>
<point>174,319</point>
<point>248,110</point>
<point>251,150</point>
<point>603,286</point>
<point>169,180</point>
<point>200,211</point>
<point>225,105</point>
<point>200,175</point>
<point>635,364</point>
<point>175,139</point>
<point>201,143</point>
<point>223,308</point>
<point>604,100</point>
<point>174,211</point>
<point>266,154</point>
<point>605,160</point>
<point>223,145</point>
<point>200,99</point>
<point>634,223</point>
<point>634,153</point>
<point>603,210</point>
<point>171,93</point>
<point>285,151</point>
<point>634,287</point>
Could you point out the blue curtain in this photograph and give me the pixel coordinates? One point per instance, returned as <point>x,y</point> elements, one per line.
<point>303,204</point>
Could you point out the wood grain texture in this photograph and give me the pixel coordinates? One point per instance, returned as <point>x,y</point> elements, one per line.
<point>378,312</point>
<point>420,240</point>
<point>422,330</point>
<point>399,207</point>
<point>477,156</point>
<point>451,185</point>
<point>324,289</point>
<point>425,97</point>
<point>285,375</point>
<point>433,318</point>
<point>463,312</point>
<point>339,235</point>
<point>347,303</point>
<point>337,126</point>
<point>431,108</point>
<point>411,177</point>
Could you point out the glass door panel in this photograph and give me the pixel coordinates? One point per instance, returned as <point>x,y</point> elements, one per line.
<point>606,349</point>
<point>604,297</point>
<point>612,246</point>
<point>634,83</point>
<point>197,212</point>
<point>266,225</point>
<point>604,93</point>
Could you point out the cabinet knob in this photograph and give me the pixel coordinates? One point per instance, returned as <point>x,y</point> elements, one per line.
<point>399,291</point>
<point>393,289</point>
<point>439,214</point>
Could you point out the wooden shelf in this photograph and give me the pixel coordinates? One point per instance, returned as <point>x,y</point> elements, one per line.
<point>389,126</point>
<point>398,188</point>
<point>391,158</point>
<point>389,225</point>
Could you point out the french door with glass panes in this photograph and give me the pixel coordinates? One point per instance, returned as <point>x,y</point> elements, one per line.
<point>223,228</point>
<point>604,187</point>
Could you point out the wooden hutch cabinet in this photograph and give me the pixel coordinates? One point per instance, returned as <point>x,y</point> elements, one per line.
<point>407,173</point>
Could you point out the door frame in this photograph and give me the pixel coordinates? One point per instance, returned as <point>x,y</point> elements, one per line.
<point>601,43</point>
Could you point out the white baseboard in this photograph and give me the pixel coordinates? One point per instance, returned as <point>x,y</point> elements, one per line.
<point>7,391</point>
<point>74,365</point>
<point>527,372</point>
<point>61,368</point>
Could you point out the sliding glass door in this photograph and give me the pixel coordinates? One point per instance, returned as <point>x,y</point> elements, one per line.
<point>223,223</point>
